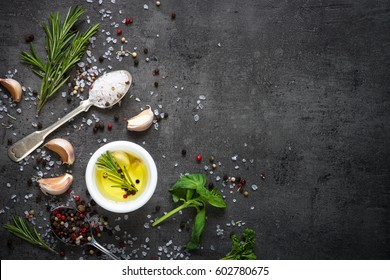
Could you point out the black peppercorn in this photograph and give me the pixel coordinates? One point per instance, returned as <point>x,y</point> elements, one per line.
<point>9,141</point>
<point>101,59</point>
<point>210,185</point>
<point>116,118</point>
<point>183,152</point>
<point>68,99</point>
<point>136,62</point>
<point>173,16</point>
<point>35,93</point>
<point>39,160</point>
<point>155,84</point>
<point>146,51</point>
<point>39,125</point>
<point>29,38</point>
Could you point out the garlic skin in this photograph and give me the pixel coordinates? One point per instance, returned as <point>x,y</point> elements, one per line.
<point>14,88</point>
<point>63,148</point>
<point>56,185</point>
<point>142,121</point>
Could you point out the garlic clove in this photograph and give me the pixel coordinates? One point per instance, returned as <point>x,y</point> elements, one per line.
<point>56,185</point>
<point>63,148</point>
<point>14,88</point>
<point>142,121</point>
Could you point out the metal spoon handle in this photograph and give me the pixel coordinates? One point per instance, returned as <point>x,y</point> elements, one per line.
<point>94,243</point>
<point>26,145</point>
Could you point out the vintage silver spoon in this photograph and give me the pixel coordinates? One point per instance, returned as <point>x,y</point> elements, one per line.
<point>67,238</point>
<point>105,92</point>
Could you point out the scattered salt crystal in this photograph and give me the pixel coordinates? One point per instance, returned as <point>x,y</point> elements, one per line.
<point>236,167</point>
<point>202,97</point>
<point>146,225</point>
<point>117,228</point>
<point>217,178</point>
<point>169,243</point>
<point>234,158</point>
<point>196,118</point>
<point>254,187</point>
<point>8,185</point>
<point>126,217</point>
<point>13,196</point>
<point>252,207</point>
<point>219,44</point>
<point>146,7</point>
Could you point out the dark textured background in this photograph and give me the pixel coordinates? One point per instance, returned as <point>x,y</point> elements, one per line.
<point>299,89</point>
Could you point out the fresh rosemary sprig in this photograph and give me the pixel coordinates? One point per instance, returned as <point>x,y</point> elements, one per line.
<point>116,173</point>
<point>21,229</point>
<point>64,48</point>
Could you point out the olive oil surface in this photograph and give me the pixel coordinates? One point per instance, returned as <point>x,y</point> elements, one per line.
<point>137,171</point>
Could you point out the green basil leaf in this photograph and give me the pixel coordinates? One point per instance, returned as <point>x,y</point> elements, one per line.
<point>215,199</point>
<point>197,230</point>
<point>178,194</point>
<point>190,181</point>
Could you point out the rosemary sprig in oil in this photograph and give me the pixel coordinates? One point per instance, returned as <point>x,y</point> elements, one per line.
<point>115,173</point>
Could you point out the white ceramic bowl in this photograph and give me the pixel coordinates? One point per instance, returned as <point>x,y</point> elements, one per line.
<point>128,205</point>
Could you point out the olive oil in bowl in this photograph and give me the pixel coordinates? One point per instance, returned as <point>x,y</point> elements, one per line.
<point>127,183</point>
<point>121,176</point>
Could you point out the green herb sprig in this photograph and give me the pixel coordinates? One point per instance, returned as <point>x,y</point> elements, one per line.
<point>21,229</point>
<point>242,249</point>
<point>64,48</point>
<point>190,189</point>
<point>115,173</point>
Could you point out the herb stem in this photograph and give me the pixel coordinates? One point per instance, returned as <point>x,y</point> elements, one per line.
<point>21,229</point>
<point>170,213</point>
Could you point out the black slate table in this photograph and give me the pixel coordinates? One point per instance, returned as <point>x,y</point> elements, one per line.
<point>292,96</point>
